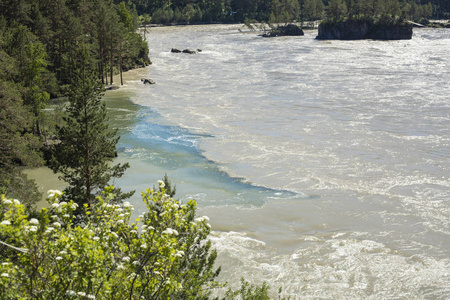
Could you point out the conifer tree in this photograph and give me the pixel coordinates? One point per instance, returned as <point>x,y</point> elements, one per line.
<point>88,144</point>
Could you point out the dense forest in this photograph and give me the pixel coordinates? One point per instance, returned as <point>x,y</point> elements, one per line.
<point>277,11</point>
<point>42,43</point>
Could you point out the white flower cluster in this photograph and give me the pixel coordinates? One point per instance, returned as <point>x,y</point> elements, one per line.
<point>145,228</point>
<point>31,228</point>
<point>201,219</point>
<point>127,204</point>
<point>71,293</point>
<point>5,222</point>
<point>7,202</point>
<point>52,193</point>
<point>49,229</point>
<point>179,253</point>
<point>161,184</point>
<point>170,231</point>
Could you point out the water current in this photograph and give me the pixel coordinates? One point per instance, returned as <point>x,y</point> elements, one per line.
<point>323,165</point>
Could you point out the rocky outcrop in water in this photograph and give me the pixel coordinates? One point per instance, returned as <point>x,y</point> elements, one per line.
<point>148,81</point>
<point>188,51</point>
<point>288,30</point>
<point>359,30</point>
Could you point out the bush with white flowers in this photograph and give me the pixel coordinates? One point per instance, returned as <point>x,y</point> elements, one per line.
<point>53,256</point>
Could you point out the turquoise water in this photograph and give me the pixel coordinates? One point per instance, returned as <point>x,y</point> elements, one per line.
<point>154,149</point>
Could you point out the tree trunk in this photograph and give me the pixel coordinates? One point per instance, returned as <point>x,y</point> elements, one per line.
<point>121,79</point>
<point>106,74</point>
<point>112,63</point>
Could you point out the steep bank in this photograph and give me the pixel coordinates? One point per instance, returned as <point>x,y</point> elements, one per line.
<point>359,30</point>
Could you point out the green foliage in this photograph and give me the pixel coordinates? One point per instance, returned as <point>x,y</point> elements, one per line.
<point>87,144</point>
<point>377,11</point>
<point>168,258</point>
<point>215,11</point>
<point>18,145</point>
<point>15,184</point>
<point>336,10</point>
<point>312,10</point>
<point>272,11</point>
<point>126,18</point>
<point>164,254</point>
<point>249,292</point>
<point>167,185</point>
<point>39,46</point>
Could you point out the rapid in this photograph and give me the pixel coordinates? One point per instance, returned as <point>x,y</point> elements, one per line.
<point>324,166</point>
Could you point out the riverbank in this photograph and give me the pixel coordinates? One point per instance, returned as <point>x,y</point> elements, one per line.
<point>44,176</point>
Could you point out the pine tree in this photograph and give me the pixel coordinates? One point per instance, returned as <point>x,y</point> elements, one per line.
<point>337,9</point>
<point>88,144</point>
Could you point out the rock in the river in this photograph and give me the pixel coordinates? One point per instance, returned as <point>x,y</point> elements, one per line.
<point>188,51</point>
<point>288,30</point>
<point>147,81</point>
<point>358,30</point>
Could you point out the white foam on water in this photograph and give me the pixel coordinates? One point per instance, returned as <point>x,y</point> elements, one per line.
<point>361,128</point>
<point>333,268</point>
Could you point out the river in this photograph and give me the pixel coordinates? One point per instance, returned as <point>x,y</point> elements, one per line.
<point>323,165</point>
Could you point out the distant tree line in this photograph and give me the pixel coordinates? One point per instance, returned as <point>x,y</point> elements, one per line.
<point>380,11</point>
<point>44,47</point>
<point>276,11</point>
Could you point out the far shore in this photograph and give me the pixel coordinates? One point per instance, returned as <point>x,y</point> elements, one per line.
<point>432,24</point>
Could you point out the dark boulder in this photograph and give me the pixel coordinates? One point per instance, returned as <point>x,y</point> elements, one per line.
<point>175,50</point>
<point>147,81</point>
<point>189,51</point>
<point>394,32</point>
<point>291,29</point>
<point>359,30</point>
<point>287,30</point>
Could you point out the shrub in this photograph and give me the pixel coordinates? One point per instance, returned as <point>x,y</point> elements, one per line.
<point>167,256</point>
